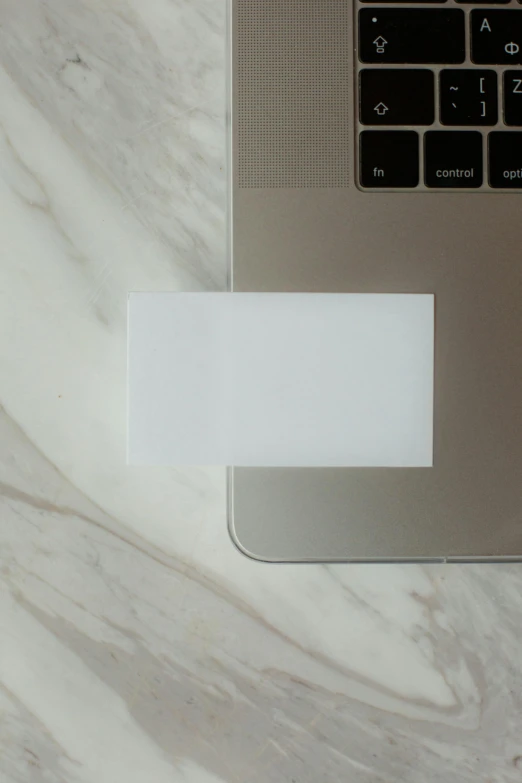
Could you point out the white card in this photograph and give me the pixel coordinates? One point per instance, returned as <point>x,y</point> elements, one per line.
<point>281,379</point>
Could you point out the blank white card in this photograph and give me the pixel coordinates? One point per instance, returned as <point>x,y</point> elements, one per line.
<point>281,379</point>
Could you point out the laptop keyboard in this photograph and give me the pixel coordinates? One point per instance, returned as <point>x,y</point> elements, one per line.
<point>452,123</point>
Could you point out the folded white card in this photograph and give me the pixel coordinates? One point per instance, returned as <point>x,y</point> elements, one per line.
<point>281,379</point>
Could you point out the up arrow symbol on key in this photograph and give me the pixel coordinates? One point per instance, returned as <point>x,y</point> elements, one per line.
<point>380,43</point>
<point>381,108</point>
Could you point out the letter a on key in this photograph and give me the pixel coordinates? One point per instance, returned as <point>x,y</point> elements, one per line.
<point>485,25</point>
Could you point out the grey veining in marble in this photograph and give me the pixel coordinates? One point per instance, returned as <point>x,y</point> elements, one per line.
<point>136,644</point>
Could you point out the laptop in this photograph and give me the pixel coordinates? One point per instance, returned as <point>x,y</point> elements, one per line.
<point>377,148</point>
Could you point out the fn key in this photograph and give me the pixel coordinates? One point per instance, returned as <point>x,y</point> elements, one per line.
<point>389,159</point>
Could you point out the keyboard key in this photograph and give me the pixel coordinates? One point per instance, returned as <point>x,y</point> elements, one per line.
<point>468,97</point>
<point>505,159</point>
<point>389,159</point>
<point>439,2</point>
<point>496,36</point>
<point>480,2</point>
<point>397,97</point>
<point>513,97</point>
<point>411,35</point>
<point>453,159</point>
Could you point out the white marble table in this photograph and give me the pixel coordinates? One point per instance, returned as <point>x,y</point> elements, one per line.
<point>136,644</point>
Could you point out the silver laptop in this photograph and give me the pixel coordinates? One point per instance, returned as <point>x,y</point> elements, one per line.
<point>377,147</point>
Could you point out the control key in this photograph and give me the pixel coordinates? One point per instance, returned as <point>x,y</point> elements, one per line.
<point>453,159</point>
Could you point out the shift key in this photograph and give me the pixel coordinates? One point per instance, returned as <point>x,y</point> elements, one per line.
<point>412,35</point>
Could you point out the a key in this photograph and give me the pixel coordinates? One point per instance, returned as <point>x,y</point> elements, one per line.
<point>468,97</point>
<point>482,2</point>
<point>505,159</point>
<point>397,97</point>
<point>453,159</point>
<point>496,36</point>
<point>389,159</point>
<point>513,97</point>
<point>419,2</point>
<point>411,35</point>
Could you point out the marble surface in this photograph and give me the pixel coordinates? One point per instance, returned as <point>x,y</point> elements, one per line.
<point>136,644</point>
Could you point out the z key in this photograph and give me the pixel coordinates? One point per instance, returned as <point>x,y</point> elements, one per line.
<point>513,97</point>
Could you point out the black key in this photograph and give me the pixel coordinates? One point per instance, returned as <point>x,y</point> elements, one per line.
<point>483,2</point>
<point>418,2</point>
<point>496,36</point>
<point>468,97</point>
<point>513,97</point>
<point>397,97</point>
<point>453,159</point>
<point>389,159</point>
<point>411,35</point>
<point>505,159</point>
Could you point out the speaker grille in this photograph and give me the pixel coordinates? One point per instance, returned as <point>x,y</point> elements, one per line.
<point>292,77</point>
